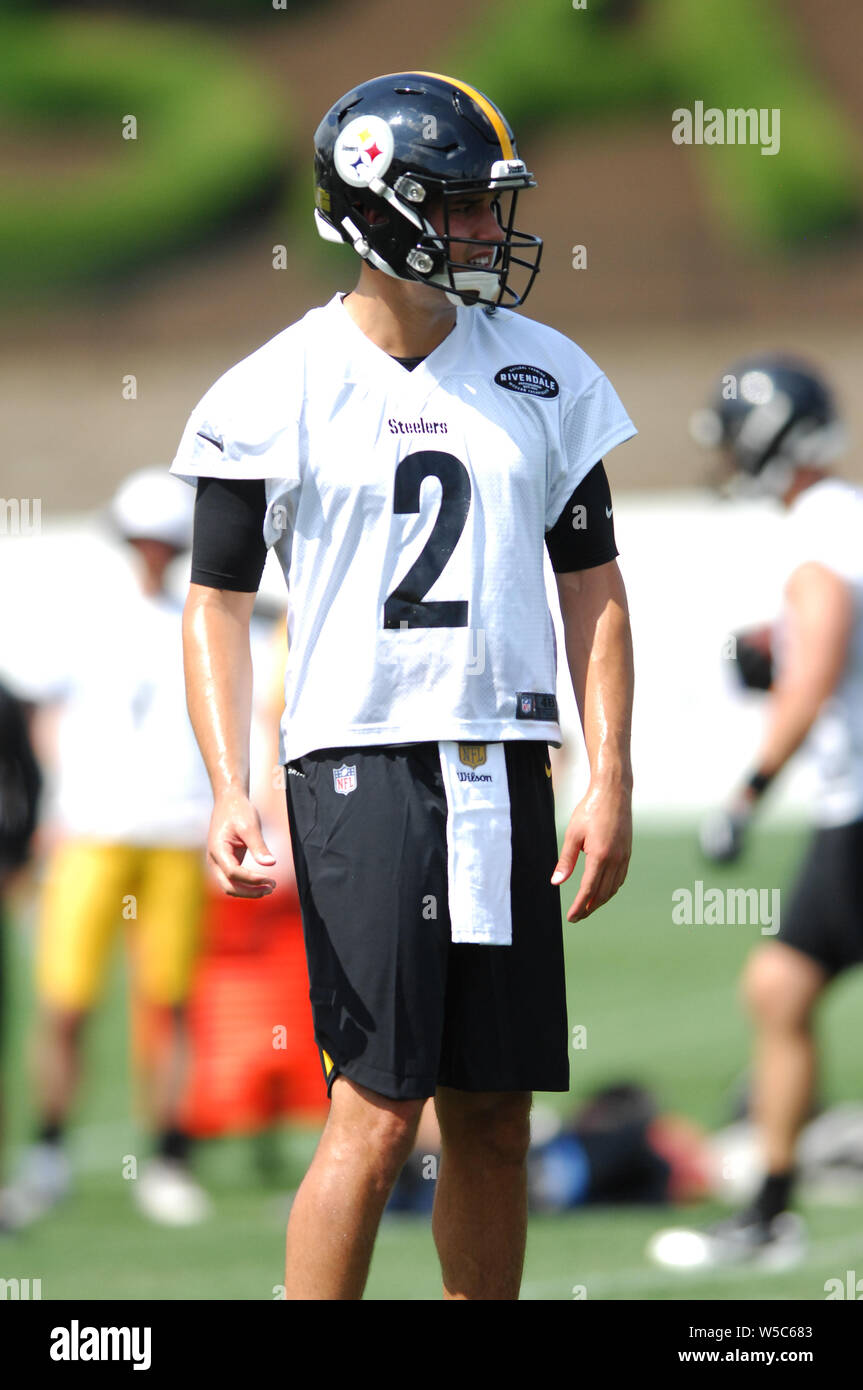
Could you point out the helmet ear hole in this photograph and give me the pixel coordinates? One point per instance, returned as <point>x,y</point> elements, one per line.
<point>373,217</point>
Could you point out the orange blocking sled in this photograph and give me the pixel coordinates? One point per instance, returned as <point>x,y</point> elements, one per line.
<point>253,1056</point>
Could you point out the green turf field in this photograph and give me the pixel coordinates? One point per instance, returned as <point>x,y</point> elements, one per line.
<point>657,1001</point>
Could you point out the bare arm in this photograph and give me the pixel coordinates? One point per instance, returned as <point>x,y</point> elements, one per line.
<point>599,652</point>
<point>820,614</point>
<point>218,668</point>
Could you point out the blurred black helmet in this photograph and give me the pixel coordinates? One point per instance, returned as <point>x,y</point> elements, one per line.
<point>397,144</point>
<point>770,407</point>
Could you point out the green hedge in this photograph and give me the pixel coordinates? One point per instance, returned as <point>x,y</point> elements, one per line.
<point>547,62</point>
<point>210,140</point>
<point>239,11</point>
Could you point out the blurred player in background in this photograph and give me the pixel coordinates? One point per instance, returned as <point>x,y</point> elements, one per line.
<point>132,802</point>
<point>776,427</point>
<point>20,788</point>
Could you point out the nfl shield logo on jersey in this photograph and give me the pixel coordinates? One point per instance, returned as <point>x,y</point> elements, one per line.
<point>344,779</point>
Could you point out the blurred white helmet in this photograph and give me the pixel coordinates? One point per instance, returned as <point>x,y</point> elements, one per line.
<point>151,504</point>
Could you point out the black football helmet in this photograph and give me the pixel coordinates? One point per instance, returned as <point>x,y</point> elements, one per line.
<point>769,414</point>
<point>397,145</point>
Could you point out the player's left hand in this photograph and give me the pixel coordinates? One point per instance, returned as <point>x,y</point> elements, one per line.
<point>601,828</point>
<point>722,833</point>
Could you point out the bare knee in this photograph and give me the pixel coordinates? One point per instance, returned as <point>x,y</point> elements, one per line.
<point>373,1128</point>
<point>780,986</point>
<point>494,1126</point>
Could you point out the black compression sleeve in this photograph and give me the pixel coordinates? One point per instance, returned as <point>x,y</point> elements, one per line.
<point>228,549</point>
<point>583,535</point>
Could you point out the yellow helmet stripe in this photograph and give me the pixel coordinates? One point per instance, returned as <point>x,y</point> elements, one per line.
<point>485,105</point>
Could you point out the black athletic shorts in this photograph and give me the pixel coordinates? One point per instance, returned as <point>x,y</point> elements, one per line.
<point>398,1007</point>
<point>825,917</point>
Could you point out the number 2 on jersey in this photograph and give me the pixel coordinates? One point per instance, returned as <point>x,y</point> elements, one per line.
<point>406,605</point>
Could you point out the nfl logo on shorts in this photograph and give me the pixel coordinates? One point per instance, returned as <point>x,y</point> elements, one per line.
<point>344,779</point>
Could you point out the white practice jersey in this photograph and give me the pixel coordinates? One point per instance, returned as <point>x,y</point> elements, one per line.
<point>128,768</point>
<point>408,510</point>
<point>826,526</point>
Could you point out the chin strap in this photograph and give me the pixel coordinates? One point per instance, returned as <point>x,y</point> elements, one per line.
<point>775,477</point>
<point>802,447</point>
<point>478,282</point>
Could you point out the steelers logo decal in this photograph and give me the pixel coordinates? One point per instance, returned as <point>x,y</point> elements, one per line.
<point>363,150</point>
<point>756,388</point>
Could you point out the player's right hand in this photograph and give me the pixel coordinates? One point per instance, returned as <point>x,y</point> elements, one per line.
<point>753,653</point>
<point>235,847</point>
<point>722,834</point>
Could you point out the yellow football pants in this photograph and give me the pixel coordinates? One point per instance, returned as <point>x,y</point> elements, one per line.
<point>93,888</point>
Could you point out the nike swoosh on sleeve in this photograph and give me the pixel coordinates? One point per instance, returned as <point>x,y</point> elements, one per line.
<point>218,442</point>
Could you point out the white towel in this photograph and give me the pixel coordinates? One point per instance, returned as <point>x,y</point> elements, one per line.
<point>479,842</point>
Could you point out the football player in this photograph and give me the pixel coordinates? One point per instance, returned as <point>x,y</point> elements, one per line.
<point>131,812</point>
<point>20,792</point>
<point>775,425</point>
<point>409,451</point>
